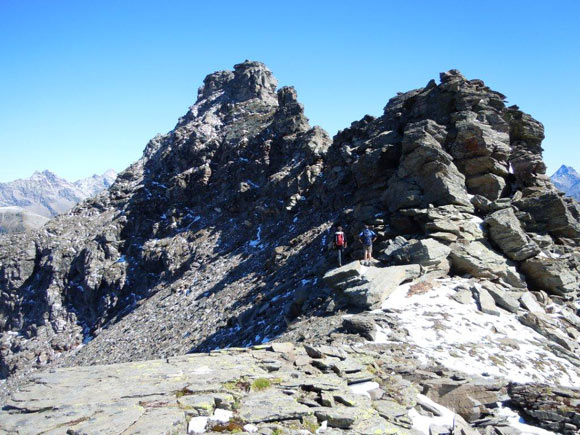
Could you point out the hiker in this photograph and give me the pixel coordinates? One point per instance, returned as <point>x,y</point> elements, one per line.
<point>367,237</point>
<point>339,243</point>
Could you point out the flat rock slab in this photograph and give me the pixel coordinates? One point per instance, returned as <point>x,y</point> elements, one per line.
<point>271,406</point>
<point>368,287</point>
<point>166,396</point>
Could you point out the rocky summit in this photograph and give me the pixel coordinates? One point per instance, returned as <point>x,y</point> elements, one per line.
<point>217,243</point>
<point>567,180</point>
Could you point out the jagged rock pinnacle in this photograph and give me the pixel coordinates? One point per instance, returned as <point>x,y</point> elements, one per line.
<point>249,79</point>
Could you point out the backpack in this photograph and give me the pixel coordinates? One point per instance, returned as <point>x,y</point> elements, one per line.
<point>339,239</point>
<point>367,237</point>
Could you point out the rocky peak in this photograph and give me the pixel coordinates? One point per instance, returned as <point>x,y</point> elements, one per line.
<point>567,180</point>
<point>566,176</point>
<point>249,80</point>
<point>452,74</point>
<point>290,114</point>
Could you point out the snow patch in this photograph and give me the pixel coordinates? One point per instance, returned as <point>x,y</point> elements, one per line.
<point>363,388</point>
<point>460,337</point>
<point>197,425</point>
<point>202,370</point>
<point>421,423</point>
<point>256,242</point>
<point>518,422</point>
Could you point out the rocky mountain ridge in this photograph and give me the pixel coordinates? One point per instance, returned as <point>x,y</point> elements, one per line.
<point>218,237</point>
<point>18,220</point>
<point>568,181</point>
<point>46,194</point>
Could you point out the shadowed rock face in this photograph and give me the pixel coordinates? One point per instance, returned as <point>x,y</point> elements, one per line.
<point>218,235</point>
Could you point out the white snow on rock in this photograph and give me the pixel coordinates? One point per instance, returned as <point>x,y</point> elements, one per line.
<point>197,425</point>
<point>517,422</point>
<point>363,388</point>
<point>460,337</point>
<point>254,243</point>
<point>222,415</point>
<point>421,423</point>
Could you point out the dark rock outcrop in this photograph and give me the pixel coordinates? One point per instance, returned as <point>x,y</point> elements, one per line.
<point>554,408</point>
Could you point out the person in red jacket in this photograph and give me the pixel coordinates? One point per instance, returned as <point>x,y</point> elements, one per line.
<point>340,243</point>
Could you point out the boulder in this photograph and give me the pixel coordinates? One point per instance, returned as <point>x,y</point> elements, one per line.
<point>345,273</point>
<point>363,326</point>
<point>452,219</point>
<point>547,327</point>
<point>463,296</point>
<point>551,275</point>
<point>393,412</point>
<point>469,400</point>
<point>502,298</point>
<point>461,427</point>
<point>506,232</point>
<point>430,254</point>
<point>488,185</point>
<point>391,246</point>
<point>368,287</point>
<point>486,302</point>
<point>478,260</point>
<point>550,213</point>
<point>531,304</point>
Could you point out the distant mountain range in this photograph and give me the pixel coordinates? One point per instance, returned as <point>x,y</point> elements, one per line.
<point>568,181</point>
<point>28,203</point>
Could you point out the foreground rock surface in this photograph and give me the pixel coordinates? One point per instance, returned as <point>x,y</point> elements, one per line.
<point>224,391</point>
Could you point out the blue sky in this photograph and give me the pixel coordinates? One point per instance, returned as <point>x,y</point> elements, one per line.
<point>85,84</point>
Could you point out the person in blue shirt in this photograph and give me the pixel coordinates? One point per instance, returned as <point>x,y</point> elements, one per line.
<point>367,237</point>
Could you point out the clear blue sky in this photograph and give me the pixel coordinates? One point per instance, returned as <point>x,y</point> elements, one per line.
<point>85,84</point>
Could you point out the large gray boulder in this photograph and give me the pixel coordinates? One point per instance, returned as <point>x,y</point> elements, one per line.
<point>550,213</point>
<point>430,254</point>
<point>551,275</point>
<point>478,260</point>
<point>368,287</point>
<point>502,298</point>
<point>506,232</point>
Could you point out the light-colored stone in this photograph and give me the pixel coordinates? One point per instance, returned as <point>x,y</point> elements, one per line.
<point>551,275</point>
<point>376,283</point>
<point>506,232</point>
<point>531,304</point>
<point>477,260</point>
<point>486,302</point>
<point>502,298</point>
